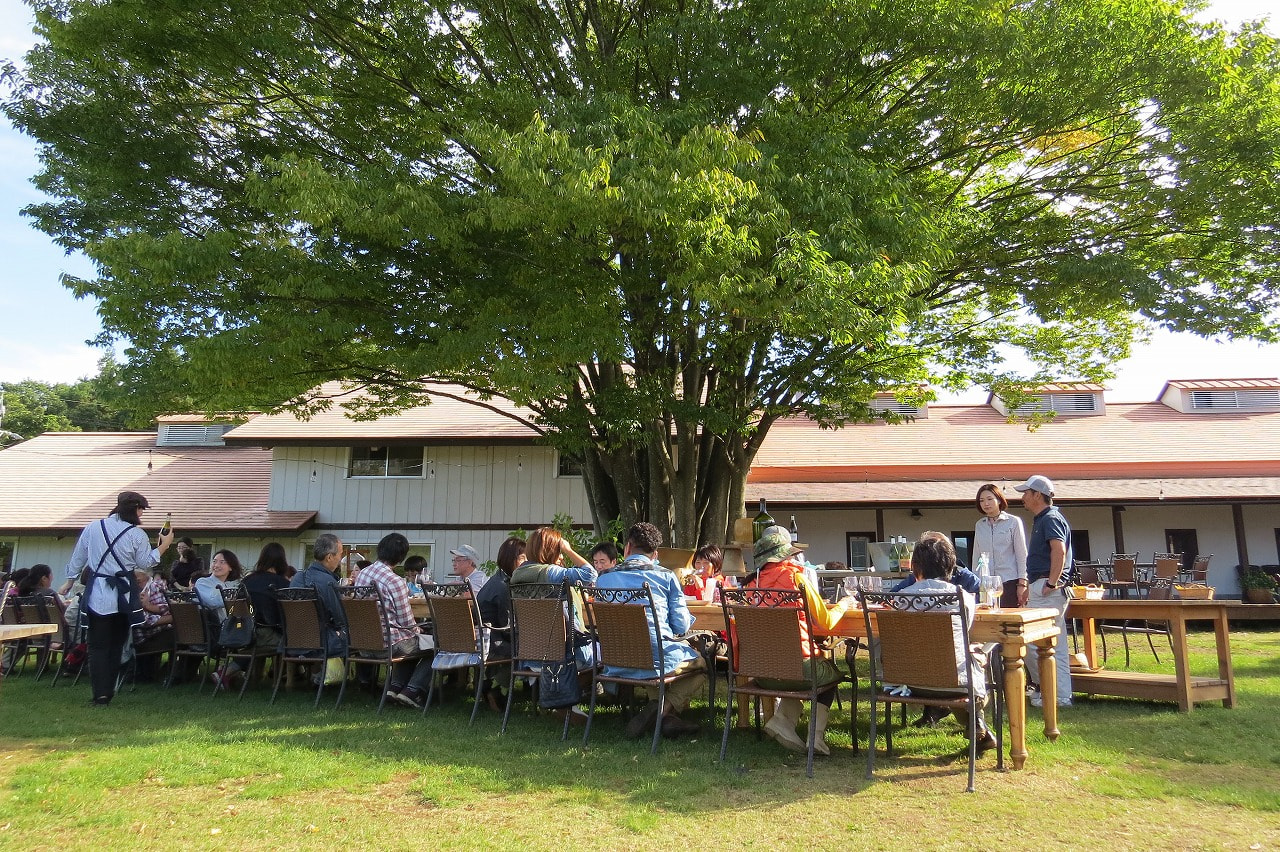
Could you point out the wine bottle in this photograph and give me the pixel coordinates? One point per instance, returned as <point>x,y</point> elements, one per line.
<point>168,523</point>
<point>762,520</point>
<point>795,530</point>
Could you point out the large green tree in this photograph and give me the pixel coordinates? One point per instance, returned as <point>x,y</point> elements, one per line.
<point>660,224</point>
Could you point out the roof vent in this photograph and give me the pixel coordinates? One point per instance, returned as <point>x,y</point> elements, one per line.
<point>191,434</point>
<point>1234,400</point>
<point>904,409</point>
<point>1073,403</point>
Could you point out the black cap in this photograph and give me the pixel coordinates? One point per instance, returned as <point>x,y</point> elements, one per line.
<point>132,499</point>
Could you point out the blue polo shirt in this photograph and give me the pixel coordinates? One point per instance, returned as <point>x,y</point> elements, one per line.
<point>1047,526</point>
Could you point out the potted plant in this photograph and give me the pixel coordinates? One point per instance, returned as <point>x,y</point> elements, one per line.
<point>1256,585</point>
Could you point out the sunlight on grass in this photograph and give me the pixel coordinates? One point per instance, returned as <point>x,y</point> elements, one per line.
<point>177,768</point>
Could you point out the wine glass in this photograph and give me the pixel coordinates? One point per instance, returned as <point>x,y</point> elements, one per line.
<point>993,587</point>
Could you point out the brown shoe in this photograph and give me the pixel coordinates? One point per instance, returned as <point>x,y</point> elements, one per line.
<point>673,726</point>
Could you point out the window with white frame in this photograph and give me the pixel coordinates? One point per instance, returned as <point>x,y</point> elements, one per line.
<point>385,461</point>
<point>567,465</point>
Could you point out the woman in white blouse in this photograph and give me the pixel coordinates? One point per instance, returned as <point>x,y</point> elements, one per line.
<point>1001,536</point>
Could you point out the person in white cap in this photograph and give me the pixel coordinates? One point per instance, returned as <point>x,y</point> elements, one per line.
<point>466,564</point>
<point>1048,570</point>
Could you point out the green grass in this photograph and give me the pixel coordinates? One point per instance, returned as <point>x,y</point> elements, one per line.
<point>164,768</point>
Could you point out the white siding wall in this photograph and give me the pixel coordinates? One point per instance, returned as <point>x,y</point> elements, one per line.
<point>824,530</point>
<point>461,489</point>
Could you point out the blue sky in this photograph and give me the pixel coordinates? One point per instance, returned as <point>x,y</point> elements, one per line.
<point>44,329</point>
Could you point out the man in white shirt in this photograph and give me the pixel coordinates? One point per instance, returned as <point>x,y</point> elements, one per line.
<point>466,565</point>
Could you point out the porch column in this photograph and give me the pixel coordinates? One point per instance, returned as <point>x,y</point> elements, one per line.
<point>1117,527</point>
<point>1242,546</point>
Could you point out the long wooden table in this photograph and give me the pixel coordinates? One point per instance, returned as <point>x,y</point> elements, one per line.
<point>1181,687</point>
<point>11,632</point>
<point>1012,629</point>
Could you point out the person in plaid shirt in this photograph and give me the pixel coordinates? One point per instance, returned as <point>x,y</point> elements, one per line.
<point>409,680</point>
<point>155,627</point>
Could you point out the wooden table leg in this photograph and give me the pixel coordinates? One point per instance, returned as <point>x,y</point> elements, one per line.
<point>1225,672</point>
<point>744,708</point>
<point>1015,691</point>
<point>1178,632</point>
<point>1088,628</point>
<point>1049,686</point>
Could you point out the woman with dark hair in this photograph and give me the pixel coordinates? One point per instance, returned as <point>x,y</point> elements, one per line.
<point>261,584</point>
<point>108,553</point>
<point>224,573</point>
<point>39,582</point>
<point>1002,537</point>
<point>704,580</point>
<point>494,601</point>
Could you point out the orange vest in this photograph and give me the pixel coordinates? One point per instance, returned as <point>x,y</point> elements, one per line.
<point>783,575</point>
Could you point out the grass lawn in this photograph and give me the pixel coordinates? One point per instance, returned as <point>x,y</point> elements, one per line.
<point>172,768</point>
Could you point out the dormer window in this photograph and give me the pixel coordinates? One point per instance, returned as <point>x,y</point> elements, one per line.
<point>888,402</point>
<point>1064,400</point>
<point>1205,396</point>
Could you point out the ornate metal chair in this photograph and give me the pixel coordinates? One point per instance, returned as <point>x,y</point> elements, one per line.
<point>370,635</point>
<point>925,659</point>
<point>459,639</point>
<point>624,622</point>
<point>540,618</point>
<point>767,643</point>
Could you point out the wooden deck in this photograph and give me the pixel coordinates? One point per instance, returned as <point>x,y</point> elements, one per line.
<point>1237,611</point>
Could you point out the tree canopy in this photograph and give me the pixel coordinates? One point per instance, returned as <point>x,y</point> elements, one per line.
<point>660,225</point>
<point>30,408</point>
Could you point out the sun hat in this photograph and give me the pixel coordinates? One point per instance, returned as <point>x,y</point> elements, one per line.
<point>774,545</point>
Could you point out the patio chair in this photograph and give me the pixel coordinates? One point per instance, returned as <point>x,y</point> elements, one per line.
<point>768,644</point>
<point>191,636</point>
<point>1122,574</point>
<point>459,640</point>
<point>1165,569</point>
<point>239,605</point>
<point>623,622</point>
<point>1199,570</point>
<point>540,618</point>
<point>920,648</point>
<point>370,635</point>
<point>303,626</point>
<point>39,609</point>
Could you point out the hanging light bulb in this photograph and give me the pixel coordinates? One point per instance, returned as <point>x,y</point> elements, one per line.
<point>150,466</point>
<point>314,464</point>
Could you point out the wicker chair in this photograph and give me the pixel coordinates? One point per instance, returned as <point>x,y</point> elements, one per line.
<point>370,635</point>
<point>303,624</point>
<point>239,605</point>
<point>767,644</point>
<point>623,621</point>
<point>1122,573</point>
<point>191,639</point>
<point>540,614</point>
<point>918,648</point>
<point>459,639</point>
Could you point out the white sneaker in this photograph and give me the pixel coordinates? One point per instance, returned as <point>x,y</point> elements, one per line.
<point>1037,701</point>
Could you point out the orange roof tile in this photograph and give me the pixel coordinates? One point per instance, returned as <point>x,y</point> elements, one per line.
<point>59,482</point>
<point>971,442</point>
<point>445,419</point>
